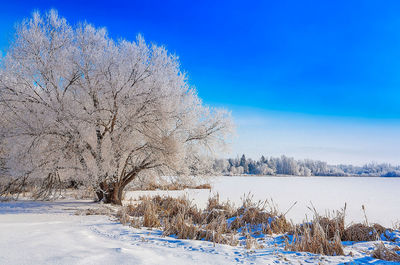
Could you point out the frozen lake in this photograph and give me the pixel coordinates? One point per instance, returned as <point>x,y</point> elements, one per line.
<point>380,196</point>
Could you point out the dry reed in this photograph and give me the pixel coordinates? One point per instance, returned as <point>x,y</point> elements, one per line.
<point>321,236</point>
<point>220,222</point>
<point>315,240</point>
<point>179,217</point>
<point>384,253</point>
<point>362,232</point>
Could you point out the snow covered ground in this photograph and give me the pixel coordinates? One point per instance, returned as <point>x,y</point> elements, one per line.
<point>51,233</point>
<point>380,196</point>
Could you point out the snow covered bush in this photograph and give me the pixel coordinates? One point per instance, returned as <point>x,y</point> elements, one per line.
<point>76,103</point>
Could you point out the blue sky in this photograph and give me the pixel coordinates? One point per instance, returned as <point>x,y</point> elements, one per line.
<point>312,79</point>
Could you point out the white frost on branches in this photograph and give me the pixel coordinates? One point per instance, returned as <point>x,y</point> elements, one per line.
<point>76,102</point>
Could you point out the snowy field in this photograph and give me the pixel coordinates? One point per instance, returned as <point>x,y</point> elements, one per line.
<point>380,196</point>
<point>51,233</point>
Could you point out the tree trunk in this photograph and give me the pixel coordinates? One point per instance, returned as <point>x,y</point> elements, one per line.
<point>114,196</point>
<point>110,193</point>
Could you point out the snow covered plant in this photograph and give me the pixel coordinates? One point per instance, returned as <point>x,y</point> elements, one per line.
<point>76,104</point>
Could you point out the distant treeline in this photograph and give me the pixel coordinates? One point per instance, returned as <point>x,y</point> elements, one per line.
<point>289,166</point>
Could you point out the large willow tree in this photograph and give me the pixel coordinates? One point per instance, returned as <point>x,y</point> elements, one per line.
<point>77,104</point>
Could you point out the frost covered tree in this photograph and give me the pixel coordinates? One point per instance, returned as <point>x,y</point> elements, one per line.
<point>221,166</point>
<point>244,164</point>
<point>76,103</point>
<point>263,169</point>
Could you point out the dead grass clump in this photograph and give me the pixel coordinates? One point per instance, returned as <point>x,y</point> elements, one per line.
<point>170,207</point>
<point>150,216</point>
<point>215,209</point>
<point>324,234</point>
<point>334,226</point>
<point>178,217</point>
<point>216,231</point>
<point>181,227</point>
<point>316,241</point>
<point>278,225</point>
<point>332,223</point>
<point>164,206</point>
<point>205,186</point>
<point>255,216</point>
<point>214,203</point>
<point>261,213</point>
<point>362,232</point>
<point>384,253</point>
<point>331,226</point>
<point>130,209</point>
<point>155,209</point>
<point>320,236</point>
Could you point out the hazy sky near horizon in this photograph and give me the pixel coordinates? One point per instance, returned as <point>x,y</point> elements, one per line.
<point>308,79</point>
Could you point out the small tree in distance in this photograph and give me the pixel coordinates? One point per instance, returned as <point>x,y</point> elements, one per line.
<point>77,104</point>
